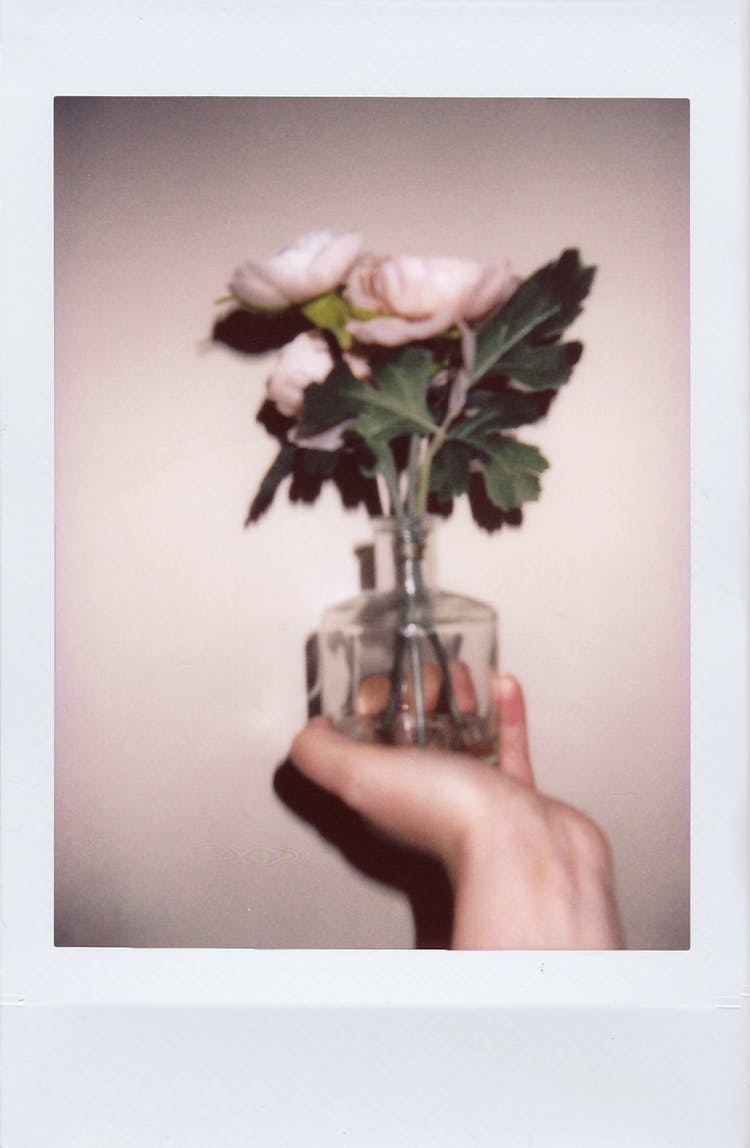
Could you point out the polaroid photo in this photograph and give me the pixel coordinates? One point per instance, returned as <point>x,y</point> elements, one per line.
<point>180,516</point>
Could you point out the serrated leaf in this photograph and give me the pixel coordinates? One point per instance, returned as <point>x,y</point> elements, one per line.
<point>330,313</point>
<point>539,309</point>
<point>450,472</point>
<point>325,404</point>
<point>573,283</point>
<point>501,409</point>
<point>511,471</point>
<point>397,404</point>
<point>540,367</point>
<point>282,466</point>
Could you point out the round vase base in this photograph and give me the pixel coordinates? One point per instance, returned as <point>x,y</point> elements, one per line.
<point>475,736</point>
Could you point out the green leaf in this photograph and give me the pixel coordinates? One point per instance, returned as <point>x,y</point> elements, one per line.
<point>511,471</point>
<point>330,313</point>
<point>501,409</point>
<point>572,283</point>
<point>361,312</point>
<point>282,466</point>
<point>330,402</point>
<point>450,472</point>
<point>397,405</point>
<point>539,309</point>
<point>542,367</point>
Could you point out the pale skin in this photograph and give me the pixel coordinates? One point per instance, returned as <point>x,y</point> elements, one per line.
<point>528,871</point>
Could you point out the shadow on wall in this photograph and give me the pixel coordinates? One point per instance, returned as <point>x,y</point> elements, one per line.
<point>420,877</point>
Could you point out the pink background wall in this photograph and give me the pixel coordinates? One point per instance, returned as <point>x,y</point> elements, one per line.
<point>179,636</point>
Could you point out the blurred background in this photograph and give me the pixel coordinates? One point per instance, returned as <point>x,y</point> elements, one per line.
<point>180,636</point>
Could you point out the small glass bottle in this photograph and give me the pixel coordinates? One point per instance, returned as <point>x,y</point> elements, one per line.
<point>406,664</point>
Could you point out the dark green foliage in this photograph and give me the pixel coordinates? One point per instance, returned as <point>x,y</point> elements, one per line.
<point>536,314</point>
<point>450,471</point>
<point>280,468</point>
<point>519,366</point>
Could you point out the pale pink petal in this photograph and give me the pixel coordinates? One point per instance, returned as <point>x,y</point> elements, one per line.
<point>415,287</point>
<point>462,380</point>
<point>287,394</point>
<point>392,331</point>
<point>357,364</point>
<point>406,289</point>
<point>330,439</point>
<point>316,263</point>
<point>441,378</point>
<point>251,285</point>
<point>494,286</point>
<point>303,361</point>
<point>360,288</point>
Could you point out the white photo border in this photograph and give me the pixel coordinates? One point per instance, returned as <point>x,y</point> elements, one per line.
<point>695,50</point>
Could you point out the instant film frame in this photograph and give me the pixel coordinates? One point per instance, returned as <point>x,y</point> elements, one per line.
<point>180,638</point>
<point>615,1044</point>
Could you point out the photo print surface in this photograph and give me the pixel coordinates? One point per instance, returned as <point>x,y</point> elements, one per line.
<point>183,635</point>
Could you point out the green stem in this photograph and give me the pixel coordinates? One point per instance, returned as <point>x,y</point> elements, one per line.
<point>433,447</point>
<point>396,681</point>
<point>462,381</point>
<point>413,472</point>
<point>415,657</point>
<point>388,468</point>
<point>437,645</point>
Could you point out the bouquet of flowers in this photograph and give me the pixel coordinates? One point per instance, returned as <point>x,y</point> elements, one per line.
<point>401,379</point>
<point>405,373</point>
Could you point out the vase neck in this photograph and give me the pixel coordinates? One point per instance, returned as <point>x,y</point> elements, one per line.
<point>404,554</point>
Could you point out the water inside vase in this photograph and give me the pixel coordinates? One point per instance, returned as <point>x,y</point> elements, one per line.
<point>477,736</point>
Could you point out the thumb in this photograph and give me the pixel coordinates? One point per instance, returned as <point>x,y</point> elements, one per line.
<point>422,797</point>
<point>514,747</point>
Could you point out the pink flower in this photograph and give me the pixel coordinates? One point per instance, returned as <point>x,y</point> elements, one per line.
<point>422,297</point>
<point>303,361</point>
<point>318,262</point>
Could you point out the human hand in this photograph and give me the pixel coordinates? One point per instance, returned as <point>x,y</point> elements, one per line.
<point>374,692</point>
<point>528,872</point>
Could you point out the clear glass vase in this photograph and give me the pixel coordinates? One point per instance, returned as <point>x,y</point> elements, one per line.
<point>406,664</point>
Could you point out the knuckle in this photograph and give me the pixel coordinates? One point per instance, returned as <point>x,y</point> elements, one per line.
<point>590,841</point>
<point>473,808</point>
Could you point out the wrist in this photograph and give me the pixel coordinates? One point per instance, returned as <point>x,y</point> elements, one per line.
<point>531,873</point>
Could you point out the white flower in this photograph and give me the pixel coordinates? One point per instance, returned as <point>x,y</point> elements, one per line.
<point>318,262</point>
<point>303,361</point>
<point>422,297</point>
